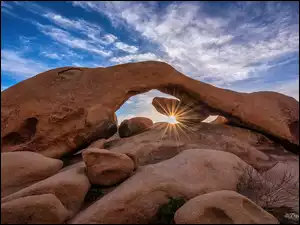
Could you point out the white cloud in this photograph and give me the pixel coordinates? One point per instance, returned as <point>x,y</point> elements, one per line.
<point>51,55</point>
<point>135,57</point>
<point>93,31</point>
<point>7,8</point>
<point>109,38</point>
<point>226,49</point>
<point>66,38</point>
<point>19,65</point>
<point>126,48</point>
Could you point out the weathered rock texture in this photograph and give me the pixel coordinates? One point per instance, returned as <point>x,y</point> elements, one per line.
<point>79,104</point>
<point>36,209</point>
<point>191,173</point>
<point>70,187</point>
<point>163,141</point>
<point>107,168</point>
<point>134,126</point>
<point>21,169</point>
<point>222,207</point>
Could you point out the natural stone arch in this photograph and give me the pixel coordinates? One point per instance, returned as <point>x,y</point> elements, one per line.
<point>56,100</point>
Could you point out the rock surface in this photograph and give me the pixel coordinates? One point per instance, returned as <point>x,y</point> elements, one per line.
<point>222,207</point>
<point>191,173</point>
<point>163,141</point>
<point>21,169</point>
<point>69,187</point>
<point>79,105</point>
<point>107,168</point>
<point>36,209</point>
<point>134,126</point>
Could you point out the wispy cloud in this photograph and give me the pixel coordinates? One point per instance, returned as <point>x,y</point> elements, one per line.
<point>7,8</point>
<point>51,55</point>
<point>14,62</point>
<point>135,57</point>
<point>224,49</point>
<point>126,48</point>
<point>68,39</point>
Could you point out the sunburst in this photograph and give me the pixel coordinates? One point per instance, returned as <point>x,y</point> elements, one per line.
<point>172,119</point>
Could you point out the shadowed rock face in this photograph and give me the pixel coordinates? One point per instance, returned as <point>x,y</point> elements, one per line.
<point>79,103</point>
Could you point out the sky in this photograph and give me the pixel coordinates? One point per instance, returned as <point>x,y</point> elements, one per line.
<point>242,46</point>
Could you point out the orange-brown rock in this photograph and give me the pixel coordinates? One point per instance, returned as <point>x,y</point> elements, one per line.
<point>222,207</point>
<point>66,108</point>
<point>107,168</point>
<point>69,186</point>
<point>36,209</point>
<point>21,169</point>
<point>163,141</point>
<point>188,174</point>
<point>134,126</point>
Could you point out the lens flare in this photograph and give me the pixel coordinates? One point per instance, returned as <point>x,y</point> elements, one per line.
<point>172,119</point>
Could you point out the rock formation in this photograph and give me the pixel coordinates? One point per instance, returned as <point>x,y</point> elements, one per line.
<point>134,126</point>
<point>79,105</point>
<point>64,159</point>
<point>188,174</point>
<point>107,168</point>
<point>222,207</point>
<point>21,169</point>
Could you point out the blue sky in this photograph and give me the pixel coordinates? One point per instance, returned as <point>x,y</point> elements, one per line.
<point>243,46</point>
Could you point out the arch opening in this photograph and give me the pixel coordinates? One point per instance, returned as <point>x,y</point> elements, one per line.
<point>140,105</point>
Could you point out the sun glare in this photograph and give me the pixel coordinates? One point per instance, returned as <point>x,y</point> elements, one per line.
<point>172,120</point>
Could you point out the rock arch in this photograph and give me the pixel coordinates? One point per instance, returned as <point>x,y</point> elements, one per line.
<point>54,94</point>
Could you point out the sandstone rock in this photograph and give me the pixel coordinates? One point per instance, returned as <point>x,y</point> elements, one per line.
<point>69,187</point>
<point>222,207</point>
<point>190,173</point>
<point>163,141</point>
<point>54,112</point>
<point>98,144</point>
<point>37,209</point>
<point>134,126</point>
<point>105,167</point>
<point>21,169</point>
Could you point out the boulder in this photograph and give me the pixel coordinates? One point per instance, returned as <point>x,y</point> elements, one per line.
<point>36,209</point>
<point>63,109</point>
<point>222,207</point>
<point>70,187</point>
<point>105,167</point>
<point>163,141</point>
<point>21,169</point>
<point>98,144</point>
<point>134,126</point>
<point>188,174</point>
